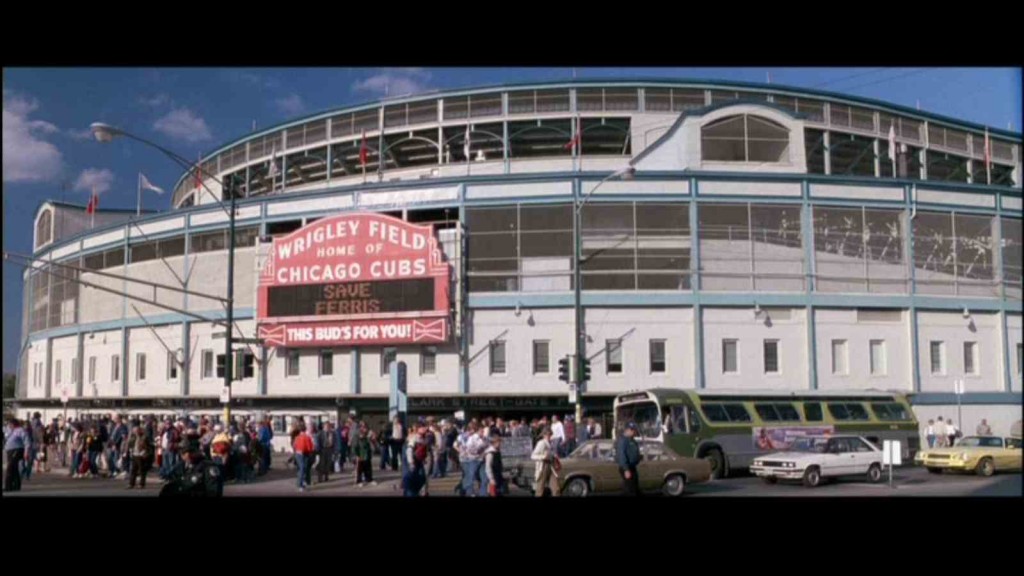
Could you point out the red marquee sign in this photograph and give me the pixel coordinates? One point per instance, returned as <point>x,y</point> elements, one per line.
<point>354,279</point>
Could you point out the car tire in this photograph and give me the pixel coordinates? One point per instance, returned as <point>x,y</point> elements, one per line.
<point>577,488</point>
<point>812,477</point>
<point>675,485</point>
<point>932,470</point>
<point>874,474</point>
<point>719,467</point>
<point>770,479</point>
<point>986,467</point>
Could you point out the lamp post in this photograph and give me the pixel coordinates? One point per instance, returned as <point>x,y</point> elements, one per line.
<point>105,133</point>
<point>626,173</point>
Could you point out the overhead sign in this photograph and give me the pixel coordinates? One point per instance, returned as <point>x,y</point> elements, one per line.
<point>354,279</point>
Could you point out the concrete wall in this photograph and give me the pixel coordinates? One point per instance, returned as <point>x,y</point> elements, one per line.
<point>844,325</point>
<point>750,332</point>
<point>953,329</point>
<point>636,327</point>
<point>103,346</point>
<point>519,331</point>
<point>1015,337</point>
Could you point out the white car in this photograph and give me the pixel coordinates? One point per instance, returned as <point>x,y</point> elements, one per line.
<point>814,458</point>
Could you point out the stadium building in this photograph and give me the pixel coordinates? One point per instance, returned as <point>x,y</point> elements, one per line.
<point>771,238</point>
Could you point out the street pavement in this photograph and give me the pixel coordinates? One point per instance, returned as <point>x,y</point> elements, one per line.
<point>910,481</point>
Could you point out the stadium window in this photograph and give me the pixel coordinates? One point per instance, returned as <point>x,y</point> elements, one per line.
<point>497,357</point>
<point>541,357</point>
<point>730,357</point>
<point>172,366</point>
<point>878,358</point>
<point>326,363</point>
<point>744,138</point>
<point>207,364</point>
<point>92,369</point>
<point>971,365</point>
<point>143,252</point>
<point>291,368</point>
<point>140,367</point>
<point>428,361</point>
<point>387,356</point>
<point>44,228</point>
<point>771,357</point>
<point>613,356</point>
<point>839,358</point>
<point>115,368</point>
<point>937,352</point>
<point>657,356</point>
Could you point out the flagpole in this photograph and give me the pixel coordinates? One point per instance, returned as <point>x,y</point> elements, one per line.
<point>138,197</point>
<point>988,165</point>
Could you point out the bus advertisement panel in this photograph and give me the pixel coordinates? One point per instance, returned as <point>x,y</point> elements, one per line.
<point>769,438</point>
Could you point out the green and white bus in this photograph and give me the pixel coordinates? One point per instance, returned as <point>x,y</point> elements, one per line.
<point>731,428</point>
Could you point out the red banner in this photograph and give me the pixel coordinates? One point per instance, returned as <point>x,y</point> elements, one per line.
<point>355,333</point>
<point>334,281</point>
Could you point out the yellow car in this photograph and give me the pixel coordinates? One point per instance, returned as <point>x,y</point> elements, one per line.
<point>984,455</point>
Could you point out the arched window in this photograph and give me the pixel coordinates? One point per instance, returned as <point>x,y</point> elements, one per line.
<point>44,228</point>
<point>744,138</point>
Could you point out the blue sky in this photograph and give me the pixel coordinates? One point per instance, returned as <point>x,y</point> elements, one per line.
<point>47,112</point>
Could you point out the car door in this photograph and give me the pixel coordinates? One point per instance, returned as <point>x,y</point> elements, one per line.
<point>1009,457</point>
<point>651,464</point>
<point>863,456</point>
<point>837,459</point>
<point>606,471</point>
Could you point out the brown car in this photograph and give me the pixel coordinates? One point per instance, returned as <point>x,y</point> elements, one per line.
<point>591,469</point>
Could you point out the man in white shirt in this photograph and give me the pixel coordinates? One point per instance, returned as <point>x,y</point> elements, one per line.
<point>471,451</point>
<point>951,432</point>
<point>929,433</point>
<point>941,436</point>
<point>984,429</point>
<point>557,435</point>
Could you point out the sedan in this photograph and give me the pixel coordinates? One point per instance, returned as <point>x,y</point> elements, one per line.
<point>591,469</point>
<point>812,459</point>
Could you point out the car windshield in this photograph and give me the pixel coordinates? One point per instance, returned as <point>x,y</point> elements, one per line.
<point>809,445</point>
<point>981,441</point>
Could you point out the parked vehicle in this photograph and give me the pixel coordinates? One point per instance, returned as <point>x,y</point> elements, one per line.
<point>591,469</point>
<point>983,455</point>
<point>813,459</point>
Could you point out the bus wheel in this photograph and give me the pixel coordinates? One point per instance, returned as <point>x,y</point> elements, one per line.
<point>812,477</point>
<point>717,460</point>
<point>986,467</point>
<point>874,473</point>
<point>675,485</point>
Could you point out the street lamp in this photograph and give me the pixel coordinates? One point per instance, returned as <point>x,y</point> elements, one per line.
<point>626,173</point>
<point>106,133</point>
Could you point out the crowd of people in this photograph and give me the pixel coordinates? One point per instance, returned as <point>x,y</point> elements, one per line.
<point>114,447</point>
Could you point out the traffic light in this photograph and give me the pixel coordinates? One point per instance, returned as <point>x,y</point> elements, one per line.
<point>563,369</point>
<point>584,370</point>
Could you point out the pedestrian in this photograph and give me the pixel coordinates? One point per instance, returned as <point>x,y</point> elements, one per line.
<point>952,432</point>
<point>396,438</point>
<point>627,456</point>
<point>557,435</point>
<point>77,447</point>
<point>416,453</point>
<point>94,443</point>
<point>363,452</point>
<point>16,442</point>
<point>33,440</point>
<point>941,435</point>
<point>266,435</point>
<point>303,451</point>
<point>242,443</point>
<point>471,452</point>
<point>140,446</point>
<point>984,429</point>
<point>343,447</point>
<point>570,435</point>
<point>493,468</point>
<point>929,433</point>
<point>546,462</point>
<point>325,441</point>
<point>169,442</point>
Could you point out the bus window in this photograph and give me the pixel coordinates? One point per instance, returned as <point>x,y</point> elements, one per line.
<point>787,413</point>
<point>812,411</point>
<point>848,411</point>
<point>685,420</point>
<point>889,411</point>
<point>766,412</point>
<point>715,413</point>
<point>645,414</point>
<point>737,413</point>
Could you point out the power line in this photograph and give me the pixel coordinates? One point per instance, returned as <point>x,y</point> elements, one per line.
<point>845,78</point>
<point>911,73</point>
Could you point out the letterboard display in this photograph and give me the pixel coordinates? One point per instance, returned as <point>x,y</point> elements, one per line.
<point>351,298</point>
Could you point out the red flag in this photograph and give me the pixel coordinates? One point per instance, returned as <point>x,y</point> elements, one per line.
<point>363,152</point>
<point>94,202</point>
<point>577,138</point>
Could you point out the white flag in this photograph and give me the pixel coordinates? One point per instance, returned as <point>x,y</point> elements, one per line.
<point>273,163</point>
<point>147,185</point>
<point>465,147</point>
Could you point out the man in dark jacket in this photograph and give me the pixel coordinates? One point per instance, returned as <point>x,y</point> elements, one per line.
<point>627,456</point>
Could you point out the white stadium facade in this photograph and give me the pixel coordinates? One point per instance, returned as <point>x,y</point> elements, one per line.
<point>770,238</point>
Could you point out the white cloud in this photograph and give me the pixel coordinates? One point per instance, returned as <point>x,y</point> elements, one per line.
<point>96,179</point>
<point>251,79</point>
<point>83,134</point>
<point>28,157</point>
<point>155,101</point>
<point>395,82</point>
<point>183,124</point>
<point>291,104</point>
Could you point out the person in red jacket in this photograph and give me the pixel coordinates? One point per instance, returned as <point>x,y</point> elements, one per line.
<point>303,447</point>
